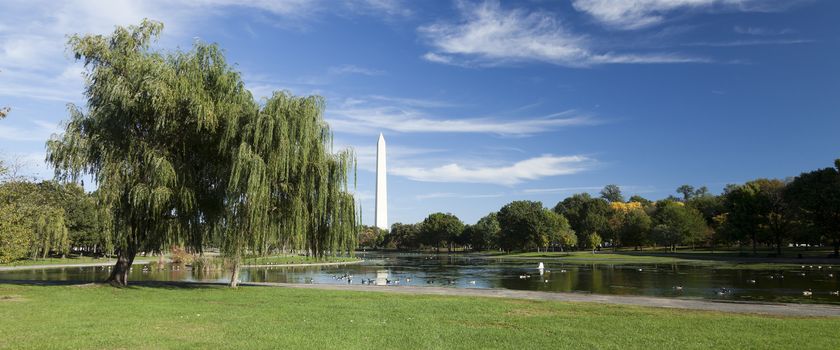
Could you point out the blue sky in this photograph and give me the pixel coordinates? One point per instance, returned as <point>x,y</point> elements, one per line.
<point>483,102</point>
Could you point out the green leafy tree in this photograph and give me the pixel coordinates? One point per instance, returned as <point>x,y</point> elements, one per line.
<point>644,201</point>
<point>756,211</point>
<point>441,228</point>
<point>183,155</point>
<point>371,237</point>
<point>687,191</point>
<point>526,225</point>
<point>612,193</point>
<point>701,192</point>
<point>560,233</point>
<point>485,233</point>
<point>593,241</point>
<point>15,233</point>
<point>39,213</point>
<point>636,225</point>
<point>676,224</point>
<point>404,236</point>
<point>815,196</point>
<point>585,214</point>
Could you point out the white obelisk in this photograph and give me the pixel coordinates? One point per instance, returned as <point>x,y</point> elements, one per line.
<point>381,185</point>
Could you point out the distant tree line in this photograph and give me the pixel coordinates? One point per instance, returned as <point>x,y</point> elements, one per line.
<point>48,218</point>
<point>803,210</point>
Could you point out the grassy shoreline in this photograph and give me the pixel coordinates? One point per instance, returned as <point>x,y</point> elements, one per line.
<point>296,259</point>
<point>97,316</point>
<point>71,260</point>
<point>631,257</point>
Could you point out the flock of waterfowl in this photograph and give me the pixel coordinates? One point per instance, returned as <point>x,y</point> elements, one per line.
<point>805,270</point>
<point>723,291</point>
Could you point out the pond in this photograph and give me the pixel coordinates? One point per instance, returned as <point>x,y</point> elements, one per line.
<point>458,271</point>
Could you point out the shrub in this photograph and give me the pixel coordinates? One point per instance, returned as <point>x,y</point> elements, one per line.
<point>15,233</point>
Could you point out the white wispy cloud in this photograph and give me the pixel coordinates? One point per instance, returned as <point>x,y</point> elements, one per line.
<point>373,114</point>
<point>636,14</point>
<point>33,33</point>
<point>562,189</point>
<point>397,154</point>
<point>438,195</point>
<point>353,69</point>
<point>491,35</point>
<point>36,130</point>
<point>737,43</point>
<point>626,189</point>
<point>525,170</point>
<point>762,31</point>
<point>367,120</point>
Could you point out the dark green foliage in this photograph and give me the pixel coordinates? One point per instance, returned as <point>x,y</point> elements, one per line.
<point>526,225</point>
<point>635,228</point>
<point>612,193</point>
<point>485,233</point>
<point>756,212</point>
<point>371,237</point>
<point>815,197</point>
<point>585,214</point>
<point>687,191</point>
<point>441,229</point>
<point>640,199</point>
<point>677,224</point>
<point>403,236</point>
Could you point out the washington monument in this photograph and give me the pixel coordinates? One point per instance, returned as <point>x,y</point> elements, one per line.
<point>381,185</point>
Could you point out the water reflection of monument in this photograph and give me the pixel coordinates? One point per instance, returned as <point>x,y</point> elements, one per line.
<point>381,277</point>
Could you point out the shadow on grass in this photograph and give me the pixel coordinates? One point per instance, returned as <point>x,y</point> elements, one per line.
<point>144,284</point>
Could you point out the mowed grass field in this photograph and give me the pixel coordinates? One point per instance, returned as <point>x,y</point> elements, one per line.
<point>102,317</point>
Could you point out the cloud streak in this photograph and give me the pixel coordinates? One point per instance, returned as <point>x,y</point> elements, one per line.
<point>439,195</point>
<point>374,114</point>
<point>637,14</point>
<point>490,35</point>
<point>521,171</point>
<point>39,131</point>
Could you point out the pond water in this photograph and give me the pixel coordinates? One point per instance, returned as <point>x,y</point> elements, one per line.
<point>660,280</point>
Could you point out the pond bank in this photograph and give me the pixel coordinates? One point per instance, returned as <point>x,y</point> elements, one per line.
<point>777,309</point>
<point>735,307</point>
<point>143,262</point>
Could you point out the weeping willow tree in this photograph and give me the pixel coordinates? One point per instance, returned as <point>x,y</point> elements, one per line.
<point>181,153</point>
<point>287,187</point>
<point>50,233</point>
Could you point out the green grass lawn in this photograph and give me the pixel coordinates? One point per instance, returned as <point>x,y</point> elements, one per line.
<point>71,260</point>
<point>96,317</point>
<point>296,259</point>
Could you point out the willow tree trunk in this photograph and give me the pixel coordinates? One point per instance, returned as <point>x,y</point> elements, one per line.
<point>234,276</point>
<point>778,244</point>
<point>119,274</point>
